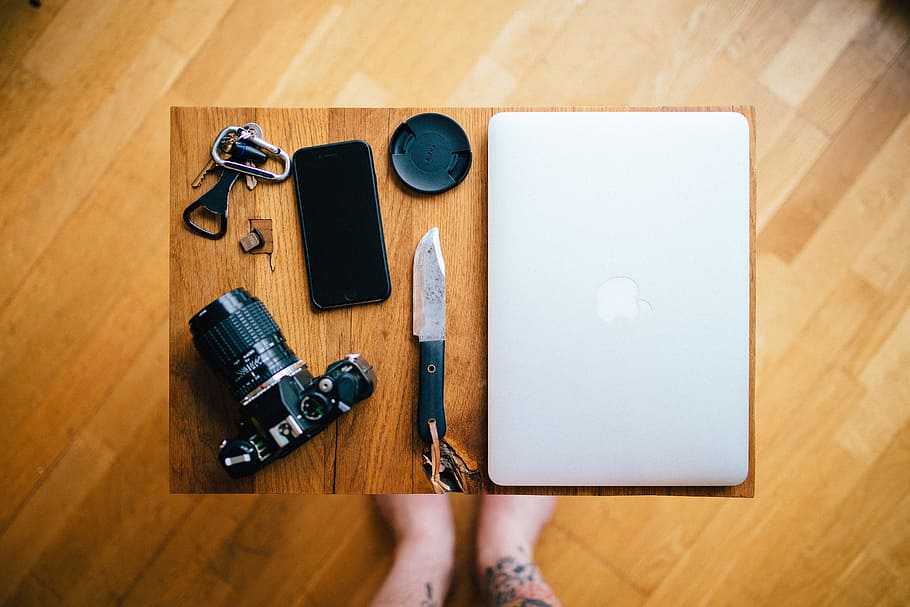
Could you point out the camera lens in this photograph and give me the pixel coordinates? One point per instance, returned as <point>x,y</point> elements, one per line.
<point>238,337</point>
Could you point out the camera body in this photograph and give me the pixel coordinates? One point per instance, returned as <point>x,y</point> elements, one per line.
<point>282,405</point>
<point>292,409</point>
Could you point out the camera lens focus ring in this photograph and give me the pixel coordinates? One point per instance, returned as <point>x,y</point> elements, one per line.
<point>241,341</point>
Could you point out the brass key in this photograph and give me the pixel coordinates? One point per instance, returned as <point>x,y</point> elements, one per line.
<point>205,170</point>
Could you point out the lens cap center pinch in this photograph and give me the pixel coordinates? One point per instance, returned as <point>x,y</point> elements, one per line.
<point>430,153</point>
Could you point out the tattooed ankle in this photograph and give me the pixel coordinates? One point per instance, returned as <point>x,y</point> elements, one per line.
<point>514,581</point>
<point>429,601</point>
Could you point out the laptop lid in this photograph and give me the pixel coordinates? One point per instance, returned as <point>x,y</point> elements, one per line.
<point>618,260</point>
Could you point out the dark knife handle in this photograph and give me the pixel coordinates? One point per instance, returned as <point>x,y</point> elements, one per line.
<point>430,391</point>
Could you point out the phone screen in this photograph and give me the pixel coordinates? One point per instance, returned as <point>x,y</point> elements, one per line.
<point>342,227</point>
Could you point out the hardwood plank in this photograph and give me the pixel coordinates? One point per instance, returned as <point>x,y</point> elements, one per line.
<point>186,28</point>
<point>888,549</point>
<point>859,66</point>
<point>46,205</point>
<point>691,49</point>
<point>32,592</point>
<point>794,378</point>
<point>239,77</point>
<point>621,534</point>
<point>588,52</point>
<point>871,580</point>
<point>774,286</point>
<point>20,27</point>
<point>786,163</point>
<point>84,390</point>
<point>513,55</point>
<point>360,91</point>
<point>767,28</point>
<point>527,36</point>
<point>815,45</point>
<point>887,366</point>
<point>65,304</point>
<point>849,153</point>
<point>880,361</point>
<point>22,90</point>
<point>654,22</point>
<point>885,256</point>
<point>569,567</point>
<point>189,560</point>
<point>302,62</point>
<point>340,42</point>
<point>339,579</point>
<point>788,304</point>
<point>50,506</point>
<point>285,542</point>
<point>423,79</point>
<point>129,503</point>
<point>86,33</point>
<point>832,566</point>
<point>83,462</point>
<point>77,293</point>
<point>875,348</point>
<point>475,88</point>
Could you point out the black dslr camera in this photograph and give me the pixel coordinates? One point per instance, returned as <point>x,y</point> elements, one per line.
<point>282,405</point>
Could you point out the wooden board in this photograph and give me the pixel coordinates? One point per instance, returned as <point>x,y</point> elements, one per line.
<point>373,449</point>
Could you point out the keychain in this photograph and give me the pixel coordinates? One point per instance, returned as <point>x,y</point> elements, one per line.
<point>245,149</point>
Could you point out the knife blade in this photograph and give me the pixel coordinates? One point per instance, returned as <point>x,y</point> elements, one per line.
<point>430,329</point>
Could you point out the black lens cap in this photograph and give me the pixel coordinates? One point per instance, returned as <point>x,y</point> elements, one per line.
<point>430,153</point>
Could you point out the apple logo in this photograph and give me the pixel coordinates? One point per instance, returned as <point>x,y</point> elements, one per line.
<point>618,298</point>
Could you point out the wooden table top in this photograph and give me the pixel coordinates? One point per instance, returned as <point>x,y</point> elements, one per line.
<point>375,447</point>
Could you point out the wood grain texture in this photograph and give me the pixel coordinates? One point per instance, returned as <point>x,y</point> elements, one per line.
<point>86,515</point>
<point>375,448</point>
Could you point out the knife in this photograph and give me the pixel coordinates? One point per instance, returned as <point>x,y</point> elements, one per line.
<point>430,329</point>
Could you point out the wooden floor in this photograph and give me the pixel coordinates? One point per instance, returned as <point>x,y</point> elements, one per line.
<point>86,518</point>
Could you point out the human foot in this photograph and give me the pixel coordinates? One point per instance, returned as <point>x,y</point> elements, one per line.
<point>424,549</point>
<point>507,530</point>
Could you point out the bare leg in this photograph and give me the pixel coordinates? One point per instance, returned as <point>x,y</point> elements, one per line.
<point>507,530</point>
<point>424,550</point>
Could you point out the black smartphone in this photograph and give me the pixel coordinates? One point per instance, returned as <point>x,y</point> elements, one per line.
<point>342,228</point>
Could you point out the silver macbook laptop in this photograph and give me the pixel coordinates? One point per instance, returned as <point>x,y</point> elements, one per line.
<point>618,298</point>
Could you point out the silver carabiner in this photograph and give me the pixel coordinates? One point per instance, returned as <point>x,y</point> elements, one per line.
<point>249,136</point>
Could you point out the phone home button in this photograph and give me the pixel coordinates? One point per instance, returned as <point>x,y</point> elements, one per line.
<point>350,295</point>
